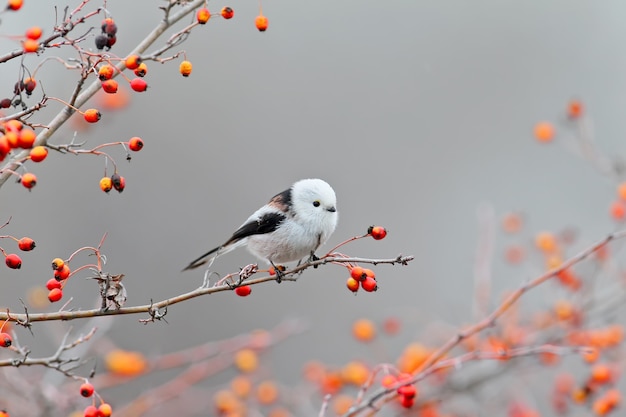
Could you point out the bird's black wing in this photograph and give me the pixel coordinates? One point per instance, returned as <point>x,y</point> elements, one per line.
<point>267,223</point>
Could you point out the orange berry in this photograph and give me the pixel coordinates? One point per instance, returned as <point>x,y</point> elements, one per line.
<point>613,397</point>
<point>246,360</point>
<point>341,404</point>
<point>621,190</point>
<point>30,45</point>
<point>226,403</point>
<point>388,381</point>
<point>355,373</point>
<point>185,68</point>
<point>34,33</point>
<point>364,330</point>
<point>92,115</point>
<point>591,355</point>
<point>126,363</point>
<point>369,284</point>
<point>358,273</point>
<point>15,5</point>
<point>267,392</point>
<point>12,138</point>
<point>135,144</point>
<point>261,23</point>
<point>412,357</point>
<point>38,153</point>
<point>26,138</point>
<point>29,180</point>
<point>352,284</point>
<point>55,295</point>
<point>241,386</point>
<point>13,125</point>
<point>544,132</point>
<point>132,62</point>
<point>601,373</point>
<point>106,72</point>
<point>377,232</point>
<point>109,86</point>
<point>106,184</point>
<point>564,310</point>
<point>139,85</point>
<point>62,273</point>
<point>105,410</point>
<point>243,290</point>
<point>546,242</point>
<point>601,407</point>
<point>26,244</point>
<point>141,70</point>
<point>86,390</point>
<point>574,109</point>
<point>227,13</point>
<point>57,263</point>
<point>203,15</point>
<point>369,273</point>
<point>618,210</point>
<point>5,340</point>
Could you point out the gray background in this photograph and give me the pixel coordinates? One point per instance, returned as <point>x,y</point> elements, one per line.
<point>415,112</point>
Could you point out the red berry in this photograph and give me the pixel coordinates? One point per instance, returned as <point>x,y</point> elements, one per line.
<point>5,340</point>
<point>91,411</point>
<point>203,15</point>
<point>52,284</point>
<point>15,4</point>
<point>109,86</point>
<point>55,295</point>
<point>29,180</point>
<point>133,62</point>
<point>13,261</point>
<point>135,144</point>
<point>407,391</point>
<point>5,103</point>
<point>139,85</point>
<point>38,153</point>
<point>119,183</point>
<point>261,23</point>
<point>141,70</point>
<point>243,291</point>
<point>358,273</point>
<point>86,390</point>
<point>62,273</point>
<point>26,244</point>
<point>34,33</point>
<point>377,232</point>
<point>352,284</point>
<point>106,72</point>
<point>227,13</point>
<point>369,284</point>
<point>407,402</point>
<point>109,27</point>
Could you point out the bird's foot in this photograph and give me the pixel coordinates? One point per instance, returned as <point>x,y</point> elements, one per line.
<point>279,271</point>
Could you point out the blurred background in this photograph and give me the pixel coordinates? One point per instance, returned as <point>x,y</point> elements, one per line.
<point>418,113</point>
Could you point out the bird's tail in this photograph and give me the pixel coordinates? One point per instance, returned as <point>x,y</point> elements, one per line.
<point>204,258</point>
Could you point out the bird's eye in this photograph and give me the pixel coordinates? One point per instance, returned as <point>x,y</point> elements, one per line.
<point>316,203</point>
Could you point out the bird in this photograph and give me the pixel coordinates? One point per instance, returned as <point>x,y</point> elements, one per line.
<point>292,225</point>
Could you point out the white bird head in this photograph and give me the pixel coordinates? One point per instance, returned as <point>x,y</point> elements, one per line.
<point>315,199</point>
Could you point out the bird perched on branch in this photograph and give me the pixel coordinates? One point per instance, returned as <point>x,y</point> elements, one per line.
<point>291,226</point>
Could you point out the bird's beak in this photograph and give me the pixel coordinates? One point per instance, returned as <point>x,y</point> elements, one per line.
<point>332,209</point>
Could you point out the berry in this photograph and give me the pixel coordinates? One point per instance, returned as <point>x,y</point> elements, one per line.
<point>86,390</point>
<point>52,284</point>
<point>29,180</point>
<point>38,153</point>
<point>109,27</point>
<point>111,41</point>
<point>15,5</point>
<point>261,23</point>
<point>55,295</point>
<point>30,45</point>
<point>57,263</point>
<point>132,62</point>
<point>185,68</point>
<point>358,273</point>
<point>377,232</point>
<point>227,13</point>
<point>29,85</point>
<point>91,411</point>
<point>135,144</point>
<point>141,70</point>
<point>62,273</point>
<point>407,391</point>
<point>352,284</point>
<point>119,183</point>
<point>369,284</point>
<point>203,15</point>
<point>26,244</point>
<point>5,340</point>
<point>243,291</point>
<point>139,85</point>
<point>5,103</point>
<point>92,115</point>
<point>109,86</point>
<point>106,72</point>
<point>26,138</point>
<point>575,109</point>
<point>105,410</point>
<point>544,132</point>
<point>34,33</point>
<point>407,402</point>
<point>106,184</point>
<point>101,42</point>
<point>13,261</point>
<point>12,138</point>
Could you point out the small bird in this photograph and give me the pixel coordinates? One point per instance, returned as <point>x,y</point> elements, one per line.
<point>292,225</point>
